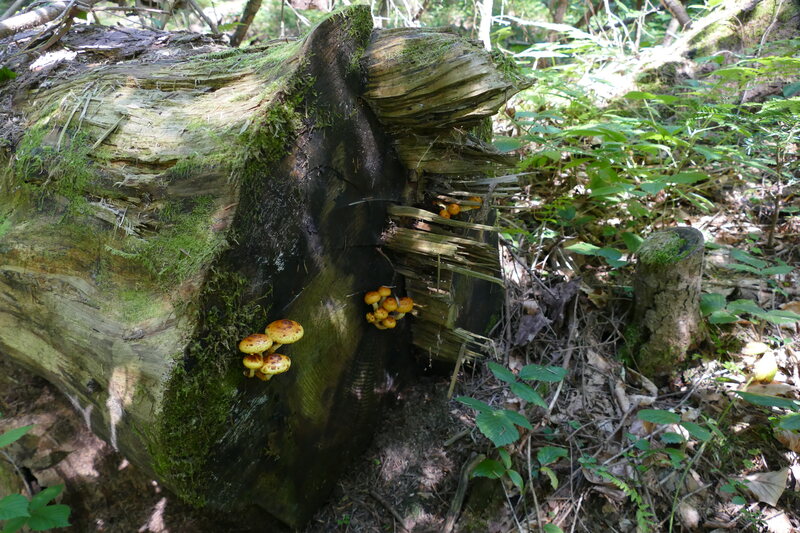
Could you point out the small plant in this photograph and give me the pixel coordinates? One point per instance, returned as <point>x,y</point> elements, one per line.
<point>17,511</point>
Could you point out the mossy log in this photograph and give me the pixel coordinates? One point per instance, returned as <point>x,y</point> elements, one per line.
<point>157,207</point>
<point>666,317</point>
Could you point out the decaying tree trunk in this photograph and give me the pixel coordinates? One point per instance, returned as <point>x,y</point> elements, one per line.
<point>155,211</point>
<point>667,320</point>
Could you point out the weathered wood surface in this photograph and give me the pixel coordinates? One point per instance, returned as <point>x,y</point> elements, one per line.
<point>155,211</point>
<point>666,315</point>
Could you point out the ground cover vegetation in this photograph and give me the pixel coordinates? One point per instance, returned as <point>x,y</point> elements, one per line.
<point>556,430</point>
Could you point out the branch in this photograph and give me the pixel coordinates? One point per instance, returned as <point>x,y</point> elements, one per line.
<point>249,13</point>
<point>32,19</point>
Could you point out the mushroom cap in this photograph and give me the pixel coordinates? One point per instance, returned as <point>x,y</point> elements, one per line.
<point>285,331</point>
<point>372,297</point>
<point>390,304</point>
<point>476,199</point>
<point>371,318</point>
<point>255,343</point>
<point>253,361</point>
<point>453,209</point>
<point>444,213</point>
<point>389,322</point>
<point>384,291</point>
<point>276,363</point>
<point>381,313</point>
<point>406,305</point>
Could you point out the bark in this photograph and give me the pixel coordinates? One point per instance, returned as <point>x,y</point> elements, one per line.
<point>31,19</point>
<point>249,13</point>
<point>667,320</point>
<point>154,212</point>
<point>677,9</point>
<point>485,25</point>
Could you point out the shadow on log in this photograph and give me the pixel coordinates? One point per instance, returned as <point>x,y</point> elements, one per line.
<point>153,212</point>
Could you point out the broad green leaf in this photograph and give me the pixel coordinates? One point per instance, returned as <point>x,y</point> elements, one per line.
<point>516,479</point>
<point>710,302</point>
<point>475,404</point>
<point>744,257</point>
<point>790,422</point>
<point>631,240</point>
<point>13,435</point>
<point>612,256</point>
<point>499,426</point>
<point>13,506</point>
<point>765,400</point>
<point>552,528</point>
<point>743,268</point>
<point>738,500</point>
<point>550,454</point>
<point>671,437</point>
<point>676,457</point>
<point>791,89</point>
<point>722,317</point>
<point>49,517</point>
<point>652,187</point>
<point>777,270</point>
<point>44,497</point>
<point>611,190</point>
<point>686,177</point>
<point>697,431</point>
<point>527,393</point>
<point>501,372</point>
<point>658,416</point>
<point>745,306</point>
<point>7,74</point>
<point>709,154</point>
<point>781,317</point>
<point>517,418</point>
<point>15,524</point>
<point>551,374</point>
<point>583,248</point>
<point>550,474</point>
<point>488,468</point>
<point>508,144</point>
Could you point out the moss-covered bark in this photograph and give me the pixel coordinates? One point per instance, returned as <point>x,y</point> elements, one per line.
<point>156,212</point>
<point>666,318</point>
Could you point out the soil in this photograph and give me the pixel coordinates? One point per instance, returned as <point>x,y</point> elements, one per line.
<point>408,471</point>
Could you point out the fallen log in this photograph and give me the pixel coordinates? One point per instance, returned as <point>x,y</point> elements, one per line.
<point>154,211</point>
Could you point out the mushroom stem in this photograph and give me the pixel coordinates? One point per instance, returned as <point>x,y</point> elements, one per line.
<point>274,347</point>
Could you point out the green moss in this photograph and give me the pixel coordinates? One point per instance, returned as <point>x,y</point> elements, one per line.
<point>5,225</point>
<point>425,51</point>
<point>663,248</point>
<point>203,377</point>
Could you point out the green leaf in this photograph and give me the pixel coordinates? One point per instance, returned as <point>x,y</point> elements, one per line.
<point>658,416</point>
<point>550,474</point>
<point>738,500</point>
<point>475,404</point>
<point>583,248</point>
<point>779,270</point>
<point>498,427</point>
<point>49,517</point>
<point>516,479</point>
<point>697,431</point>
<point>765,400</point>
<point>13,435</point>
<point>709,154</point>
<point>631,240</point>
<point>552,528</point>
<point>527,393</point>
<point>508,144</point>
<point>550,454</point>
<point>744,257</point>
<point>7,74</point>
<point>501,372</point>
<point>791,89</point>
<point>686,177</point>
<point>745,306</point>
<point>13,506</point>
<point>781,317</point>
<point>676,457</point>
<point>15,524</point>
<point>671,437</point>
<point>45,496</point>
<point>789,422</point>
<point>516,418</point>
<point>489,468</point>
<point>653,187</point>
<point>722,317</point>
<point>505,457</point>
<point>551,374</point>
<point>710,302</point>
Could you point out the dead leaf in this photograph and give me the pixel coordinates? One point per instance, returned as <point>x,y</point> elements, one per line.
<point>768,487</point>
<point>529,327</point>
<point>790,439</point>
<point>755,348</point>
<point>794,306</point>
<point>771,389</point>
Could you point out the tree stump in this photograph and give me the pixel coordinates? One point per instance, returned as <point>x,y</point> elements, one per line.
<point>667,319</point>
<point>154,211</point>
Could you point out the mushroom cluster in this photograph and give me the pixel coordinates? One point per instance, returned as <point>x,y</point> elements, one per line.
<point>452,209</point>
<point>386,308</point>
<point>278,333</point>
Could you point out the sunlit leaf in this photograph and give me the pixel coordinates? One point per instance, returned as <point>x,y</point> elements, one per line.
<point>13,435</point>
<point>697,431</point>
<point>501,372</point>
<point>550,374</point>
<point>658,416</point>
<point>769,401</point>
<point>13,506</point>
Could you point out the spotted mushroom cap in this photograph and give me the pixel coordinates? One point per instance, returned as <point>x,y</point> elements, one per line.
<point>253,361</point>
<point>389,322</point>
<point>255,343</point>
<point>372,297</point>
<point>276,363</point>
<point>285,331</point>
<point>381,313</point>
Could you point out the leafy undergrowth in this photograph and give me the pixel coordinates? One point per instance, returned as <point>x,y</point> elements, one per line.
<point>577,438</point>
